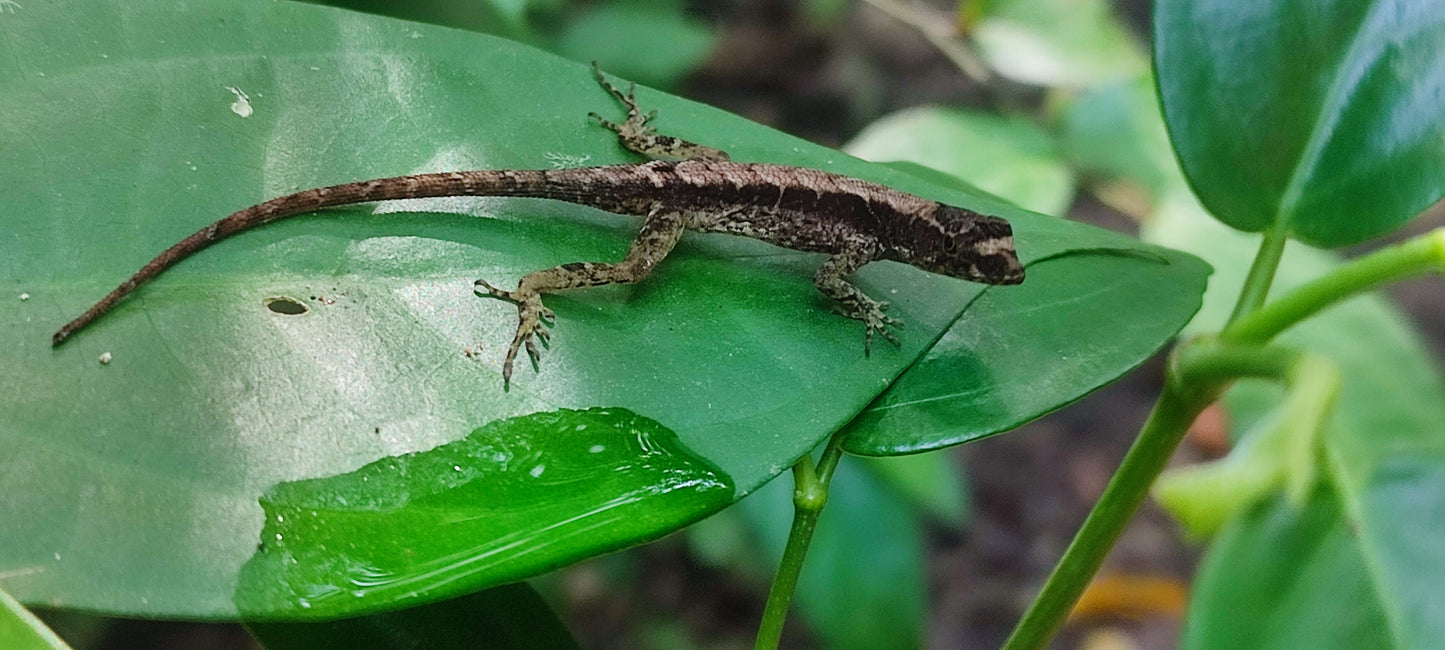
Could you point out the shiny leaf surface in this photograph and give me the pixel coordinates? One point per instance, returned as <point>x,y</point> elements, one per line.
<point>984,377</point>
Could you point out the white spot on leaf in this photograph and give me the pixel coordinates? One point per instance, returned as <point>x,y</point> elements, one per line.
<point>242,105</point>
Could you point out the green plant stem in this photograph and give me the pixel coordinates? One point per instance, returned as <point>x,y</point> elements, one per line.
<point>1173,413</point>
<point>1261,274</point>
<point>1205,361</point>
<point>1419,255</point>
<point>810,494</point>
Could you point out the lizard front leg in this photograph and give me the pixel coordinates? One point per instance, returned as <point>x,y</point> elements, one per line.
<point>660,233</point>
<point>852,302</point>
<point>637,136</point>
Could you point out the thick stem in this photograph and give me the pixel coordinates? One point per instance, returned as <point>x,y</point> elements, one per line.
<point>1419,255</point>
<point>1171,417</point>
<point>1261,274</point>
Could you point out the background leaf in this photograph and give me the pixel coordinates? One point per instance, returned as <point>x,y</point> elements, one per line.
<point>1384,450</point>
<point>1282,577</point>
<point>610,33</point>
<point>1058,43</point>
<point>1316,116</point>
<point>1010,158</point>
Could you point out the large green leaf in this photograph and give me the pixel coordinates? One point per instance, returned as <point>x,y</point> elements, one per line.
<point>1383,452</point>
<point>1319,116</point>
<point>128,125</point>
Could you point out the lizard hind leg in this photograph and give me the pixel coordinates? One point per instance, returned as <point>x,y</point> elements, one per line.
<point>659,234</point>
<point>637,136</point>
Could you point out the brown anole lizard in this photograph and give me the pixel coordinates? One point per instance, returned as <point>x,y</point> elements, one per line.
<point>691,187</point>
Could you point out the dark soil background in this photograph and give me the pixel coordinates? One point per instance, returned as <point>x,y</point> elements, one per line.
<point>1031,488</point>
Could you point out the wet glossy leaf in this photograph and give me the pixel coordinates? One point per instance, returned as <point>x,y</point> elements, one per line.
<point>512,499</point>
<point>139,481</point>
<point>510,617</point>
<point>1384,450</point>
<point>21,630</point>
<point>1319,116</point>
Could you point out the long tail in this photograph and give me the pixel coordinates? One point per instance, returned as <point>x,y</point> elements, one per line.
<point>533,183</point>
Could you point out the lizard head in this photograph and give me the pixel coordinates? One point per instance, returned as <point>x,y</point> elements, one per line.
<point>964,244</point>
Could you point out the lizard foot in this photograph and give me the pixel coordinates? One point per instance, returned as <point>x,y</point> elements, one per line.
<point>875,321</point>
<point>532,319</point>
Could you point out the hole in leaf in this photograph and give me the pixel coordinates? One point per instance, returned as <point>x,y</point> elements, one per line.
<point>287,306</point>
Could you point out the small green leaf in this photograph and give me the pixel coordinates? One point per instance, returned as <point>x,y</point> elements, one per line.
<point>510,617</point>
<point>20,630</point>
<point>513,499</point>
<point>1011,158</point>
<point>1319,117</point>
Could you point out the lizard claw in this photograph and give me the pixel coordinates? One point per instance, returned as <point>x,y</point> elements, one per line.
<point>530,329</point>
<point>482,287</point>
<point>532,319</point>
<point>875,322</point>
